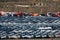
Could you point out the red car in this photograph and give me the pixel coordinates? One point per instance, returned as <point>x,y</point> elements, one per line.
<point>19,13</point>
<point>57,14</point>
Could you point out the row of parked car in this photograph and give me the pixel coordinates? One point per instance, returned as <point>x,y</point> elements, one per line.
<point>29,30</point>
<point>17,14</point>
<point>29,19</point>
<point>51,14</point>
<point>28,25</point>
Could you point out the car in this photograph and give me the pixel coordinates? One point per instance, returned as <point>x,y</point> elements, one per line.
<point>57,14</point>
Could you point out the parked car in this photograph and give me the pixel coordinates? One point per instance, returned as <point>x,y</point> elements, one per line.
<point>57,14</point>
